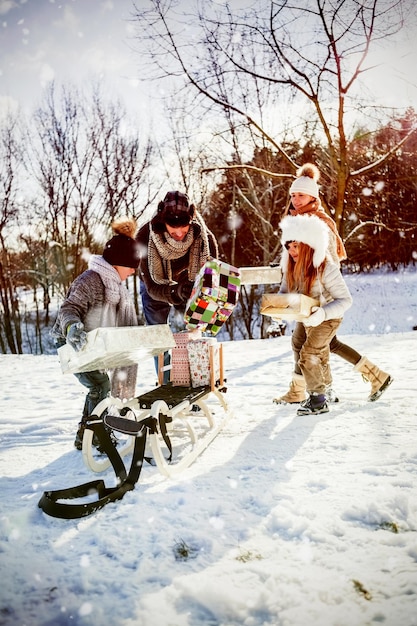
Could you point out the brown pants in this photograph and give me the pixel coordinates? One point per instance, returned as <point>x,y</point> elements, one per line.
<point>314,354</point>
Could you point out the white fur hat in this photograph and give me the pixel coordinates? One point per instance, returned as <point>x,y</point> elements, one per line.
<point>307,229</point>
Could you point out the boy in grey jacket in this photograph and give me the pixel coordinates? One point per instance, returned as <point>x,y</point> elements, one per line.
<point>99,298</point>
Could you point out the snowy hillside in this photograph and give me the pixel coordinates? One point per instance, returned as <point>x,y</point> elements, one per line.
<point>287,520</point>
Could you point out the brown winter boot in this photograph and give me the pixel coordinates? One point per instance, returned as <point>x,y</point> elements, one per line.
<point>296,392</point>
<point>379,380</point>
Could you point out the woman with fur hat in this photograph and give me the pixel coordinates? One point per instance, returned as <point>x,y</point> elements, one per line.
<point>99,298</point>
<point>304,193</point>
<point>308,269</point>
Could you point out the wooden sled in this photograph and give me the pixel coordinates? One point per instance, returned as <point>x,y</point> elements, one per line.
<point>180,433</point>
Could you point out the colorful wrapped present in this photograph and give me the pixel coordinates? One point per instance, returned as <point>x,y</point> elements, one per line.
<point>214,296</point>
<point>195,361</point>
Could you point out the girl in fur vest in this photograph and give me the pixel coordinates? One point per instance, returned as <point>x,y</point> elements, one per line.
<point>309,270</point>
<point>304,193</point>
<point>99,298</point>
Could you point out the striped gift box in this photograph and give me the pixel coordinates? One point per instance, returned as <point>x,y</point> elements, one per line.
<point>180,364</point>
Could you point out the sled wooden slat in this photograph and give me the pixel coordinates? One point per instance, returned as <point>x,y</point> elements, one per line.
<point>171,395</point>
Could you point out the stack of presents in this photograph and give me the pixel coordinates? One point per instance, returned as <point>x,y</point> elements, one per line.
<point>197,361</point>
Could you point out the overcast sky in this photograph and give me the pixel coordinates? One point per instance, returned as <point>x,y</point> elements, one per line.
<point>66,40</point>
<point>80,40</point>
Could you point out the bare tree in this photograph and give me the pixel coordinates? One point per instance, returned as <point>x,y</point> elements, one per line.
<point>90,167</point>
<point>313,54</point>
<point>10,159</point>
<point>11,151</point>
<point>123,164</point>
<point>60,161</point>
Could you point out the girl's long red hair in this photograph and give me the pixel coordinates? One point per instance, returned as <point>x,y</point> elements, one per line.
<point>302,274</point>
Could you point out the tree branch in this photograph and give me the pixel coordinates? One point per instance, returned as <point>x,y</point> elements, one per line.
<point>380,224</point>
<point>242,166</point>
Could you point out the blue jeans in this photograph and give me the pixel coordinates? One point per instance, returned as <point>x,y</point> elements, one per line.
<point>155,312</point>
<point>98,385</point>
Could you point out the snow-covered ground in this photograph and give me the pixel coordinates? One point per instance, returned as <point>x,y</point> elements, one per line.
<point>289,520</point>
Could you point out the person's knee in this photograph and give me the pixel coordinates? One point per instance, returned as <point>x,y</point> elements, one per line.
<point>335,345</point>
<point>297,341</point>
<point>92,399</point>
<point>100,386</point>
<point>310,356</point>
<point>96,394</point>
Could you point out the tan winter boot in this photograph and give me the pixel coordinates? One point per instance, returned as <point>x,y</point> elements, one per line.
<point>296,392</point>
<point>379,380</point>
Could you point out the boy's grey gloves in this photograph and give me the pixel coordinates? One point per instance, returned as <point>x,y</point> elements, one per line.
<point>76,336</point>
<point>181,292</point>
<point>318,315</point>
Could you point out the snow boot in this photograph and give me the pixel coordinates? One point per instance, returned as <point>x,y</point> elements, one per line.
<point>78,442</point>
<point>296,392</point>
<point>331,395</point>
<point>315,404</point>
<point>379,379</point>
<point>328,380</point>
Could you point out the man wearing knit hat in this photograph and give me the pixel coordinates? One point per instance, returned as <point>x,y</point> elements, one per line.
<point>98,298</point>
<point>174,246</point>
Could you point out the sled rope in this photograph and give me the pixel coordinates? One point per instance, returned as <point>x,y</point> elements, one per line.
<point>50,501</point>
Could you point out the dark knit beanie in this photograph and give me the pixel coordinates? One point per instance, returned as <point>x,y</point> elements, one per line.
<point>175,209</point>
<point>122,249</point>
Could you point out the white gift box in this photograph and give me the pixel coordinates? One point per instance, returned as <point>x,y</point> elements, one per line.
<point>264,275</point>
<point>108,348</point>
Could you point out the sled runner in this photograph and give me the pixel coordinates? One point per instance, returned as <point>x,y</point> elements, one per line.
<point>171,425</point>
<point>94,495</point>
<point>184,419</point>
<point>163,422</point>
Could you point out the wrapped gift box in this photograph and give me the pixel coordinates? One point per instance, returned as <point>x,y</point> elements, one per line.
<point>180,365</point>
<point>287,306</point>
<point>214,296</point>
<point>108,348</point>
<point>264,275</point>
<point>201,362</point>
